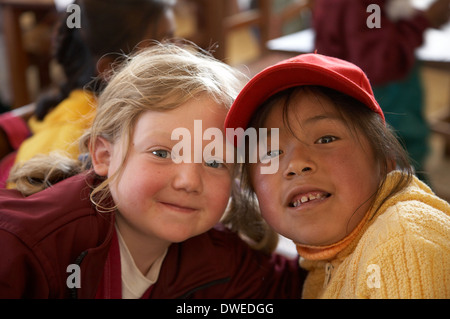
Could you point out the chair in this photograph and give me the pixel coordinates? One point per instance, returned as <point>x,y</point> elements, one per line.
<point>18,56</point>
<point>217,19</point>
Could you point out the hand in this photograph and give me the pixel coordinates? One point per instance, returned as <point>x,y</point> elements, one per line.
<point>438,13</point>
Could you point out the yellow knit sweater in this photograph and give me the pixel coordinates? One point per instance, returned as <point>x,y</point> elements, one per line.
<point>402,252</point>
<point>61,128</point>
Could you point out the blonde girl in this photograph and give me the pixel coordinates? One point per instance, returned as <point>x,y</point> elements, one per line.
<point>138,225</point>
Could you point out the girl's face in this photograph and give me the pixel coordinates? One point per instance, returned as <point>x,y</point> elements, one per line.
<point>158,199</point>
<point>326,175</point>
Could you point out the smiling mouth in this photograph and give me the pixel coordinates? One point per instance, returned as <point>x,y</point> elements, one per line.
<point>179,208</point>
<point>302,199</point>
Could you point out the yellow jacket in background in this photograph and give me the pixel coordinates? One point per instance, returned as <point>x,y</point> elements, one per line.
<point>61,128</point>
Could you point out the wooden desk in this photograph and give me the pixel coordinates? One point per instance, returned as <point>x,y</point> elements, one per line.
<point>295,43</point>
<point>435,50</point>
<point>15,54</point>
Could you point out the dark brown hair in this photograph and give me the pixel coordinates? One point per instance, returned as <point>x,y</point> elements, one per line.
<point>107,27</point>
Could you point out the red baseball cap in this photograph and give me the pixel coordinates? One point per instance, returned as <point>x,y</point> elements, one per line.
<point>304,69</point>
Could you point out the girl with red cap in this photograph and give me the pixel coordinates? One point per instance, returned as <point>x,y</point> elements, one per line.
<point>344,192</point>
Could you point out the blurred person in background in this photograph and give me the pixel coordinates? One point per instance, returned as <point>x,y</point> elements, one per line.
<point>110,29</point>
<point>386,53</point>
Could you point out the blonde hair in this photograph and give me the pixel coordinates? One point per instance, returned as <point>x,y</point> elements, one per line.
<point>160,77</point>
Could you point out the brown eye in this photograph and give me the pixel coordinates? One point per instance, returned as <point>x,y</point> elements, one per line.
<point>272,154</point>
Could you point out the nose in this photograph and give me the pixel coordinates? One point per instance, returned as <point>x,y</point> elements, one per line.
<point>187,177</point>
<point>299,163</point>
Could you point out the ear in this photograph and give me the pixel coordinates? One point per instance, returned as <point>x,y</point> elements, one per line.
<point>101,153</point>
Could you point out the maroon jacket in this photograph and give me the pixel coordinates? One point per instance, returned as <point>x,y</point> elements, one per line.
<point>16,131</point>
<point>41,235</point>
<point>385,54</point>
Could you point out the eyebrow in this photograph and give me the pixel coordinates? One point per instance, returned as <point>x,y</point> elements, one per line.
<point>327,116</point>
<point>161,133</point>
<point>317,118</point>
<point>153,134</point>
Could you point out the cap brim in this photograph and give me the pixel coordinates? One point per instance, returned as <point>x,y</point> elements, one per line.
<point>286,75</point>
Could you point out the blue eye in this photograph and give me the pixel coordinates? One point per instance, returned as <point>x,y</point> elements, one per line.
<point>213,164</point>
<point>326,139</point>
<point>161,153</point>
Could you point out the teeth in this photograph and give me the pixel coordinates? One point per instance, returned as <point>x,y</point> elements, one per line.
<point>308,198</point>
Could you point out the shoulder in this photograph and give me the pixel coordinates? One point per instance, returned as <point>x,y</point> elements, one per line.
<point>413,220</point>
<point>409,224</point>
<point>43,233</point>
<point>36,217</point>
<point>408,248</point>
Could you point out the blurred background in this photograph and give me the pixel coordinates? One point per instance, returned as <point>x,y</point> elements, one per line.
<point>247,34</point>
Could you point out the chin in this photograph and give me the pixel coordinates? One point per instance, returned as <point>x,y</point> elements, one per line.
<point>178,235</point>
<point>178,238</point>
<point>313,239</point>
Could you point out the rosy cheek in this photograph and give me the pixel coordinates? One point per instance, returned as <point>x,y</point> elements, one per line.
<point>270,212</point>
<point>263,186</point>
<point>218,200</point>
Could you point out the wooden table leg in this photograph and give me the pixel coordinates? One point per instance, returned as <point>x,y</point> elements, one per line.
<point>16,56</point>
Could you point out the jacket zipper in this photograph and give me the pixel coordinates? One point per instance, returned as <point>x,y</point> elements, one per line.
<point>204,286</point>
<point>73,292</point>
<point>328,270</point>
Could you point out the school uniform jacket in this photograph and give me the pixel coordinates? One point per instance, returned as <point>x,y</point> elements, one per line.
<point>44,234</point>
